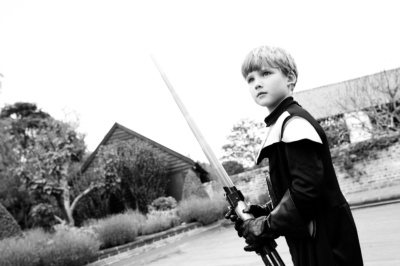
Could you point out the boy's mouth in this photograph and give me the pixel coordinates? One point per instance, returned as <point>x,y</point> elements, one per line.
<point>261,93</point>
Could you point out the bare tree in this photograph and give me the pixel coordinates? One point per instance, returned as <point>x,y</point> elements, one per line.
<point>377,97</point>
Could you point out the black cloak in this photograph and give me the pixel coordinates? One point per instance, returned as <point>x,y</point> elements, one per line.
<point>310,210</point>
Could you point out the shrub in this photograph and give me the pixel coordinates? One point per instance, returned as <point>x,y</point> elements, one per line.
<point>69,248</point>
<point>136,170</point>
<point>192,187</point>
<point>205,211</point>
<point>163,204</point>
<point>38,248</point>
<point>23,251</point>
<point>158,221</point>
<point>43,215</point>
<point>119,229</point>
<point>8,226</point>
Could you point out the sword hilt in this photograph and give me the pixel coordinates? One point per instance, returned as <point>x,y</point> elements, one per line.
<point>268,252</point>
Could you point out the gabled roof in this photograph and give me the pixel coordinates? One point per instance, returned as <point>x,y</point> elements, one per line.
<point>335,99</point>
<point>176,161</point>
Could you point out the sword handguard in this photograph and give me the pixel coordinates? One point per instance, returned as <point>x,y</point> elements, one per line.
<point>236,200</point>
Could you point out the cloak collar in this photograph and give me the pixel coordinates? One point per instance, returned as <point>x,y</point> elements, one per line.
<point>272,117</point>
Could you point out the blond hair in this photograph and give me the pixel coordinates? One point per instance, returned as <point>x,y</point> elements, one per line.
<point>269,56</point>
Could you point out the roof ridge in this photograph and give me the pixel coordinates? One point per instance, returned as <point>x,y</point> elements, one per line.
<point>345,81</point>
<point>134,133</point>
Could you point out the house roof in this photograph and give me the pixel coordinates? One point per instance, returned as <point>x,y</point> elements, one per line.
<point>351,95</point>
<point>176,161</point>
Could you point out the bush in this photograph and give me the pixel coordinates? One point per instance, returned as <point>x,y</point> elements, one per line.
<point>163,204</point>
<point>158,221</point>
<point>119,229</point>
<point>22,251</point>
<point>205,211</point>
<point>38,248</point>
<point>192,187</point>
<point>69,248</point>
<point>8,226</point>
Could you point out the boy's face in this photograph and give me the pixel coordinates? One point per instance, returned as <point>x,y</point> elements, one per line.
<point>268,87</point>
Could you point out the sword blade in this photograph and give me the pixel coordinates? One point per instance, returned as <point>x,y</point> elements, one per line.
<point>215,164</point>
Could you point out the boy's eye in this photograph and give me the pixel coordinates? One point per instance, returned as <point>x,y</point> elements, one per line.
<point>266,73</point>
<point>250,80</point>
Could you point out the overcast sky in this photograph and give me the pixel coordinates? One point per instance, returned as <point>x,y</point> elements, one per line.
<point>93,58</point>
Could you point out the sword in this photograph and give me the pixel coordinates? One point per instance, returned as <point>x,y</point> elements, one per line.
<point>234,196</point>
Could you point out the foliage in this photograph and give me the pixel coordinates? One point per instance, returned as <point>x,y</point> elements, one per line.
<point>233,167</point>
<point>8,225</point>
<point>93,206</point>
<point>363,150</point>
<point>377,96</point>
<point>157,221</point>
<point>49,154</point>
<point>211,172</point>
<point>16,200</point>
<point>134,170</point>
<point>164,204</point>
<point>244,142</point>
<point>126,227</point>
<point>193,187</point>
<point>119,229</point>
<point>205,211</point>
<point>336,131</point>
<point>66,248</point>
<point>23,251</point>
<point>37,248</point>
<point>25,118</point>
<point>51,163</point>
<point>43,215</point>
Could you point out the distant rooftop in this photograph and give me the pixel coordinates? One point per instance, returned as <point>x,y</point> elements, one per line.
<point>335,99</point>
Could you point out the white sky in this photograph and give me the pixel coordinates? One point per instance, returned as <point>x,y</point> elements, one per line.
<point>93,57</point>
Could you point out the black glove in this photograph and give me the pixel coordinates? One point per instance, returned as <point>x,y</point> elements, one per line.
<point>256,210</point>
<point>256,232</point>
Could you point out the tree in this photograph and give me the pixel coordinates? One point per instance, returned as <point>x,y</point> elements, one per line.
<point>336,131</point>
<point>12,136</point>
<point>135,170</point>
<point>244,142</point>
<point>233,167</point>
<point>25,118</point>
<point>52,164</point>
<point>377,96</point>
<point>49,154</point>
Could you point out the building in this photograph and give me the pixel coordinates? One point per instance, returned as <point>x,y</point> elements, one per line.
<point>351,98</point>
<point>179,166</point>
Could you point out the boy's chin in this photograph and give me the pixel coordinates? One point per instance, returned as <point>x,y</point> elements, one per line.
<point>263,104</point>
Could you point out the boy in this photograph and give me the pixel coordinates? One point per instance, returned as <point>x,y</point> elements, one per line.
<point>307,205</point>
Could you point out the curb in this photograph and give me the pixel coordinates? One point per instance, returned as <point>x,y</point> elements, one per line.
<point>142,241</point>
<point>375,201</point>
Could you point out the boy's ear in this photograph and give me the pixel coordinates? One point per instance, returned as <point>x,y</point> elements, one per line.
<point>292,79</point>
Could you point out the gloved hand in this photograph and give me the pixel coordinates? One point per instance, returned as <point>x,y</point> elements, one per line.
<point>256,210</point>
<point>256,232</point>
<point>253,229</point>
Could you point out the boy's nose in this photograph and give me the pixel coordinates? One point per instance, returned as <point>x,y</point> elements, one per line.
<point>258,85</point>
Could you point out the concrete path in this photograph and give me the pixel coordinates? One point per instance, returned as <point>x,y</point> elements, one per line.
<point>379,232</point>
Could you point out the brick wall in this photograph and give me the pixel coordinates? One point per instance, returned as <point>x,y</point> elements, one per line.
<point>381,171</point>
<point>252,183</point>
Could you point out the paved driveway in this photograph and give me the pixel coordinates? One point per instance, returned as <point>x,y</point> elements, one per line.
<point>379,232</point>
